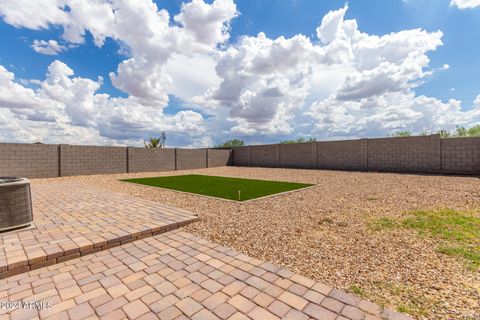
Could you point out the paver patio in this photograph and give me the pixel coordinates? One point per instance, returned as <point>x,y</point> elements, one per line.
<point>73,219</point>
<point>99,254</point>
<point>176,275</point>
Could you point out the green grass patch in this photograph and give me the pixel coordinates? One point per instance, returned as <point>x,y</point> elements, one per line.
<point>459,231</point>
<point>414,308</point>
<point>357,290</point>
<point>382,224</point>
<point>470,254</point>
<point>221,187</point>
<point>407,299</point>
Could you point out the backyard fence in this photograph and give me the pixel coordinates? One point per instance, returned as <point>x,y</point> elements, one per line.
<point>423,154</point>
<point>45,161</point>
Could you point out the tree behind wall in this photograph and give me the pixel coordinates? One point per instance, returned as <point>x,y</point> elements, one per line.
<point>153,143</point>
<point>460,132</point>
<point>231,143</point>
<point>444,133</point>
<point>156,142</point>
<point>474,131</point>
<point>299,140</point>
<point>405,133</point>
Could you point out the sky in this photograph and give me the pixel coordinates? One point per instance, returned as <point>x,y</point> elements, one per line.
<point>116,72</point>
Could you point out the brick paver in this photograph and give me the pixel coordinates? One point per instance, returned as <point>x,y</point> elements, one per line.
<point>74,219</point>
<point>183,279</point>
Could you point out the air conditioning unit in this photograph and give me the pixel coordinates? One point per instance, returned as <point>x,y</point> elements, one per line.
<point>15,203</point>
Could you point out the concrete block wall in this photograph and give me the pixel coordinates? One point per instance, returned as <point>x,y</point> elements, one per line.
<point>412,154</point>
<point>218,157</point>
<point>84,160</point>
<point>241,156</point>
<point>150,160</point>
<point>28,160</point>
<point>428,154</point>
<point>341,155</point>
<point>461,155</point>
<point>191,159</point>
<point>45,161</point>
<point>265,156</point>
<point>423,154</point>
<point>301,155</point>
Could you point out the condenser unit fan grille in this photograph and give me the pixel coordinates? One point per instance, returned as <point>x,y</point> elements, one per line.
<point>15,203</point>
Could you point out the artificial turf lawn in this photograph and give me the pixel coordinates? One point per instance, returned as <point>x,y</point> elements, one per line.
<point>220,187</point>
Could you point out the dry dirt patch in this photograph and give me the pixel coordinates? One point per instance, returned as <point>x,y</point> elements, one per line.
<point>324,232</point>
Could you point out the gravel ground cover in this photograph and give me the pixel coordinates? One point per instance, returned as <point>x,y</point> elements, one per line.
<point>220,187</point>
<point>325,232</point>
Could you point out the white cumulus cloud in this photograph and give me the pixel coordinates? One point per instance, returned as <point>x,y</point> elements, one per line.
<point>67,107</point>
<point>50,47</point>
<point>378,94</point>
<point>263,82</point>
<point>465,4</point>
<point>33,14</point>
<point>154,41</point>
